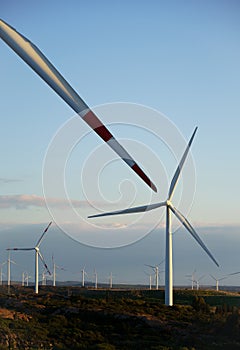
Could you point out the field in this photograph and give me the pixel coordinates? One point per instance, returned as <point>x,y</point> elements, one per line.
<point>79,318</point>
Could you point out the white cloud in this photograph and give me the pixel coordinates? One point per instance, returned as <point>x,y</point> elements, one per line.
<point>24,201</point>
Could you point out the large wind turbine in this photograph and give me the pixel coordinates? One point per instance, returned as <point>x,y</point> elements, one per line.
<point>44,68</point>
<point>37,254</point>
<point>169,208</point>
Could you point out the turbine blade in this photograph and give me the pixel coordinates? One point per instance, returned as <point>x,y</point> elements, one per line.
<point>180,166</point>
<point>234,273</point>
<point>44,263</point>
<point>43,67</point>
<point>44,232</point>
<point>213,277</point>
<point>131,210</point>
<point>20,248</point>
<point>191,230</point>
<point>223,278</point>
<point>152,267</point>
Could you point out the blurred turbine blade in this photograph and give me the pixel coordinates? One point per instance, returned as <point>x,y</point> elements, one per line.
<point>180,166</point>
<point>44,263</point>
<point>213,277</point>
<point>234,273</point>
<point>44,232</point>
<point>152,267</point>
<point>44,68</point>
<point>191,230</point>
<point>20,248</point>
<point>223,278</point>
<point>131,210</point>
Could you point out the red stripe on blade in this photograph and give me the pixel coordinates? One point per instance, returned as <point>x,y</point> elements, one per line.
<point>139,171</point>
<point>92,120</point>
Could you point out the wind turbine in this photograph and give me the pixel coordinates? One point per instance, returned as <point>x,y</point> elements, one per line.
<point>150,280</point>
<point>169,209</point>
<point>198,280</point>
<point>9,262</point>
<point>218,280</point>
<point>55,266</point>
<point>192,276</point>
<point>83,276</point>
<point>23,278</point>
<point>44,278</point>
<point>156,271</point>
<point>37,254</point>
<point>1,273</point>
<point>110,280</point>
<point>44,68</point>
<point>96,279</point>
<point>27,277</point>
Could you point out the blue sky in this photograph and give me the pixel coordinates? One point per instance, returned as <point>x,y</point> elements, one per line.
<point>178,57</point>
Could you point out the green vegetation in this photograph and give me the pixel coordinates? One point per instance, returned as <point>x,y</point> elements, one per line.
<point>77,318</point>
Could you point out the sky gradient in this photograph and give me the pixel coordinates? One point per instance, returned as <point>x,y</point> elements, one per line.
<point>180,58</point>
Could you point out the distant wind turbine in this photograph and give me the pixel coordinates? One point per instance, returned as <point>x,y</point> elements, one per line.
<point>218,280</point>
<point>9,262</point>
<point>23,278</point>
<point>192,276</point>
<point>150,280</point>
<point>169,208</point>
<point>44,68</point>
<point>27,277</point>
<point>83,276</point>
<point>96,279</point>
<point>55,266</point>
<point>1,273</point>
<point>156,270</point>
<point>110,280</point>
<point>37,254</point>
<point>44,278</point>
<point>198,280</point>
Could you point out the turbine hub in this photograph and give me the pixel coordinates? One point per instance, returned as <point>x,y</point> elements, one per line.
<point>168,203</point>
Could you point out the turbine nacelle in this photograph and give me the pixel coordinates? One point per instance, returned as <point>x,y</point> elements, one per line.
<point>168,203</point>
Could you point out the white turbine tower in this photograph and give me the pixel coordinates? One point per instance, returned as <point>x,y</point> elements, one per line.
<point>37,254</point>
<point>110,280</point>
<point>96,279</point>
<point>45,69</point>
<point>1,273</point>
<point>9,262</point>
<point>55,267</point>
<point>83,276</point>
<point>150,280</point>
<point>169,209</point>
<point>23,279</point>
